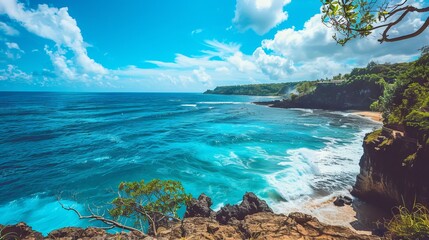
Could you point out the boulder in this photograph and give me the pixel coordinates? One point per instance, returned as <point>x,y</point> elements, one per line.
<point>19,231</point>
<point>200,207</point>
<point>341,200</point>
<point>251,204</point>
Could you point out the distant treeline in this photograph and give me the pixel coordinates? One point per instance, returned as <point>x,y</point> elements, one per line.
<point>267,89</point>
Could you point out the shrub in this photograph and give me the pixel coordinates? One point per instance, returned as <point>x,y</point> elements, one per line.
<point>408,224</point>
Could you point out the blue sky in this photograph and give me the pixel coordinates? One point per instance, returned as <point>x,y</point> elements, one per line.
<point>172,45</point>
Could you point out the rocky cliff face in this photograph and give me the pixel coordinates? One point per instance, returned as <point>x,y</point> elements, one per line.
<point>251,219</point>
<point>394,170</point>
<point>356,95</point>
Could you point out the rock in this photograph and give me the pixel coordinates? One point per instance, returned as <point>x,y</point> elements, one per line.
<point>295,226</point>
<point>19,231</point>
<point>341,200</point>
<point>384,180</point>
<point>251,204</point>
<point>200,207</point>
<point>251,219</point>
<point>202,228</point>
<point>71,232</point>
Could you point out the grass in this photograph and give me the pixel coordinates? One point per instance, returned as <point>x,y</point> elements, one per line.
<point>372,136</point>
<point>408,224</point>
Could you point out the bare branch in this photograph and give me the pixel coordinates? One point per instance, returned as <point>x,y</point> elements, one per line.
<point>111,223</point>
<point>406,10</point>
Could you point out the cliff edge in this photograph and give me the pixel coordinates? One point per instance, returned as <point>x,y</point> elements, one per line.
<point>393,170</point>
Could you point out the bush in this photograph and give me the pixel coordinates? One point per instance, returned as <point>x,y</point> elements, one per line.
<point>408,224</point>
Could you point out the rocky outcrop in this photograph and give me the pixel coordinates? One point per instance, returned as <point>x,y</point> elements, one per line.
<point>251,204</point>
<point>393,170</point>
<point>19,231</point>
<point>251,219</point>
<point>200,207</point>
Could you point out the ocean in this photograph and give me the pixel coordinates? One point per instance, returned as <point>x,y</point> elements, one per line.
<point>79,146</point>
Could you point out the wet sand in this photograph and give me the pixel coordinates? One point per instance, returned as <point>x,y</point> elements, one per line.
<point>375,116</point>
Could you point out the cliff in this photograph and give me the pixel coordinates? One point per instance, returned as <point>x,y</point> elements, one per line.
<point>393,170</point>
<point>356,95</point>
<point>251,219</point>
<point>268,89</point>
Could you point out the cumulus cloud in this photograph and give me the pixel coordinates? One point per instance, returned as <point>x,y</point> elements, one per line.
<point>8,30</point>
<point>57,25</point>
<point>12,51</point>
<point>259,15</point>
<point>13,73</point>
<point>202,76</point>
<point>312,48</point>
<point>276,67</point>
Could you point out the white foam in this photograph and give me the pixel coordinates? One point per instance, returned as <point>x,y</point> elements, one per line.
<point>189,105</point>
<point>224,103</point>
<point>43,214</point>
<point>306,110</point>
<point>307,170</point>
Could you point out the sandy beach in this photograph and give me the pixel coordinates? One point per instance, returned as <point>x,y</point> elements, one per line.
<point>375,116</point>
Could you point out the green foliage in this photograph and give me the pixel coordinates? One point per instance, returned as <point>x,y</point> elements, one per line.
<point>375,106</point>
<point>408,224</point>
<point>352,19</point>
<point>405,102</point>
<point>372,136</point>
<point>149,202</point>
<point>268,89</point>
<point>306,87</point>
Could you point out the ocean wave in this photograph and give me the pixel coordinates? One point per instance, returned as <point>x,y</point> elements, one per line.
<point>43,214</point>
<point>188,105</point>
<point>224,103</point>
<point>318,172</point>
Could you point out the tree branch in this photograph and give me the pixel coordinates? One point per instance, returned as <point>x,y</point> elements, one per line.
<point>407,9</point>
<point>106,221</point>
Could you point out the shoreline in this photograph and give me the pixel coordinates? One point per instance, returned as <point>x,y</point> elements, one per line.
<point>374,116</point>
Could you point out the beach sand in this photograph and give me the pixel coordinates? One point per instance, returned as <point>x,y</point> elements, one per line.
<point>361,217</point>
<point>375,116</point>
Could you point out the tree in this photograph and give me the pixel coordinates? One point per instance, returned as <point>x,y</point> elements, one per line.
<point>359,18</point>
<point>145,204</point>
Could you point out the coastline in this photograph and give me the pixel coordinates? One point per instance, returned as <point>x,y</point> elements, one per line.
<point>375,116</point>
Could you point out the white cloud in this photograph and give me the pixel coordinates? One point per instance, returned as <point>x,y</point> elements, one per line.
<point>13,45</point>
<point>13,73</point>
<point>8,30</point>
<point>57,25</point>
<point>315,54</point>
<point>61,64</point>
<point>202,76</point>
<point>196,31</point>
<point>12,51</point>
<point>276,67</point>
<point>259,15</point>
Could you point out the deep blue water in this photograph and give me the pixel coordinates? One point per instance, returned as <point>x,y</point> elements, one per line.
<point>81,145</point>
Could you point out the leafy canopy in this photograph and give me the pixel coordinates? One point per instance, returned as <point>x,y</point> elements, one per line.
<point>359,18</point>
<point>152,202</point>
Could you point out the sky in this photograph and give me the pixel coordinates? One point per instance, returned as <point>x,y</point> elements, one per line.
<point>178,45</point>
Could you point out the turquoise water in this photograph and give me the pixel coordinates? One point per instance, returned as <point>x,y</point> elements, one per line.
<point>81,145</point>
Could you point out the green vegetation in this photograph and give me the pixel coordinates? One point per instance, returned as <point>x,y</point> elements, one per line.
<point>405,102</point>
<point>372,136</point>
<point>269,89</point>
<point>150,204</point>
<point>408,224</point>
<point>352,19</point>
<point>306,87</point>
